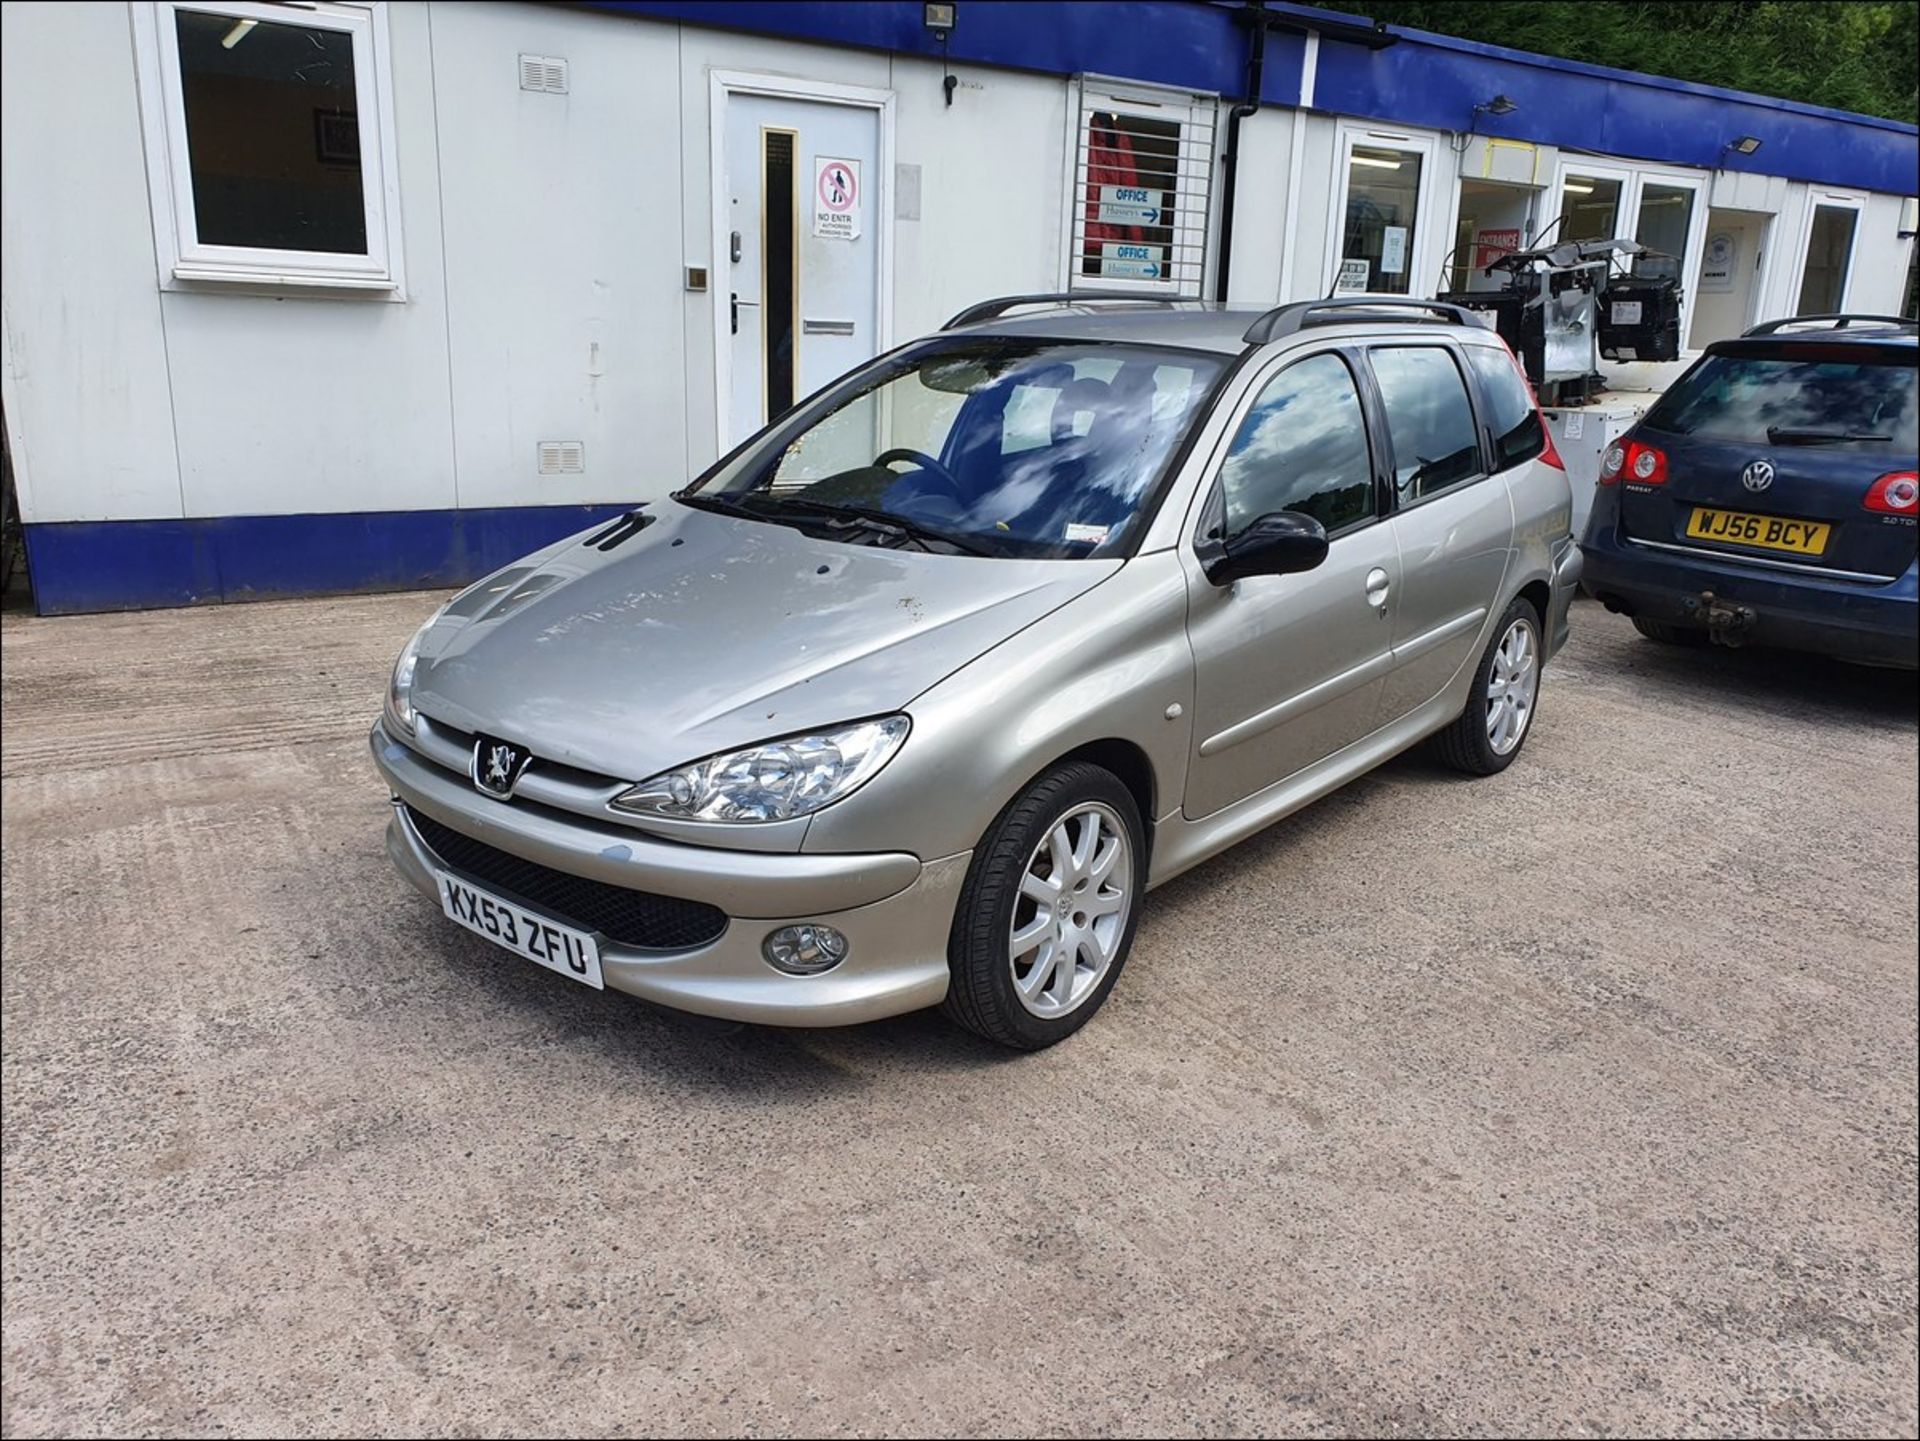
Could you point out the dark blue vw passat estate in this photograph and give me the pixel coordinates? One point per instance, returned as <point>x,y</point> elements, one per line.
<point>1770,496</point>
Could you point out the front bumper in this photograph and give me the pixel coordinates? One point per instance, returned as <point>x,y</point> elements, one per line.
<point>895,910</point>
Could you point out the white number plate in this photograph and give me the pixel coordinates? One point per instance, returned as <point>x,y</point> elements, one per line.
<point>574,954</point>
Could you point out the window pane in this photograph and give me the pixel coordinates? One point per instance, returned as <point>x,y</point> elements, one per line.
<point>1589,209</point>
<point>1666,212</point>
<point>1429,420</point>
<point>1744,397</point>
<point>1829,250</point>
<point>1517,432</point>
<point>1383,191</point>
<point>777,231</point>
<point>1132,197</point>
<point>1302,447</point>
<point>1494,220</point>
<point>273,134</point>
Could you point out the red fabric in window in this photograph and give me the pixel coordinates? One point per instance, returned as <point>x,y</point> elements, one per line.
<point>1109,162</point>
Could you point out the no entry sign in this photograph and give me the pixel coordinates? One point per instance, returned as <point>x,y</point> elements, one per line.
<point>836,198</point>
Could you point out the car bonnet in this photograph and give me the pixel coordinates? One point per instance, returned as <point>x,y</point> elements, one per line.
<point>704,633</point>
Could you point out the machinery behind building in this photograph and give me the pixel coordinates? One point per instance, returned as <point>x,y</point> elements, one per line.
<point>1564,307</point>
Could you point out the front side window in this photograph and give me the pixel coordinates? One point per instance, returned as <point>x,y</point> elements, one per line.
<point>1429,419</point>
<point>1041,449</point>
<point>1511,416</point>
<point>268,156</point>
<point>1302,447</point>
<point>1383,200</point>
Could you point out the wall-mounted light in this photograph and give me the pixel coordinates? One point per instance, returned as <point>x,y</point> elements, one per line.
<point>1745,145</point>
<point>939,16</point>
<point>1499,105</point>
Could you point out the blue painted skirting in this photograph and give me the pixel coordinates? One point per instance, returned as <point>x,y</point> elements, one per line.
<point>134,564</point>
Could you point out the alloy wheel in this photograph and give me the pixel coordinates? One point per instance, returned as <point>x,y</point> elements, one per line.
<point>1071,913</point>
<point>1511,686</point>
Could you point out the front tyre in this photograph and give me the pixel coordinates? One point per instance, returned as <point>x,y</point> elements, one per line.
<point>1506,686</point>
<point>1047,915</point>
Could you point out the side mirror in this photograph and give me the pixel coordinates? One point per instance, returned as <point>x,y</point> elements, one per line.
<point>1279,543</point>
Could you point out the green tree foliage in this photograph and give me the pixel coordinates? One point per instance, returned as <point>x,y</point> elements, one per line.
<point>1860,55</point>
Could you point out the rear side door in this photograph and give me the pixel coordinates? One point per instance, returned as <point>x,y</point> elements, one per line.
<point>1288,668</point>
<point>1452,519</point>
<point>1767,452</point>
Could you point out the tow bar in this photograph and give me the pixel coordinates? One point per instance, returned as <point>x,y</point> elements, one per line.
<point>1727,624</point>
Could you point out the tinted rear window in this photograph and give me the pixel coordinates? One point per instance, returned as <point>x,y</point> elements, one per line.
<point>1759,399</point>
<point>1517,433</point>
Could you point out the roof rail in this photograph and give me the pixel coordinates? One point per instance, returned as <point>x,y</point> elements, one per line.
<point>988,309</point>
<point>1286,320</point>
<point>1831,322</point>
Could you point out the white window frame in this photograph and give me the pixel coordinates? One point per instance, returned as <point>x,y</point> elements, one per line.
<point>1198,116</point>
<point>1854,200</point>
<point>184,261</point>
<point>1423,252</point>
<point>1634,180</point>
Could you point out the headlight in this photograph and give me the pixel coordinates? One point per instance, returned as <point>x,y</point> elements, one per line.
<point>400,686</point>
<point>772,782</point>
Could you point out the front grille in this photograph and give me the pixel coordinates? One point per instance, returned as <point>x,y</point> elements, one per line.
<point>633,918</point>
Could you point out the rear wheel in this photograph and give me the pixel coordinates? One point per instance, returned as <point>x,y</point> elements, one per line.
<point>1667,633</point>
<point>1499,712</point>
<point>1048,912</point>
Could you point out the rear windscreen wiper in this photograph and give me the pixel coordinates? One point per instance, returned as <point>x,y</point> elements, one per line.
<point>1792,435</point>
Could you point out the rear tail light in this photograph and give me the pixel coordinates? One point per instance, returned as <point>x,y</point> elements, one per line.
<point>1548,455</point>
<point>1896,493</point>
<point>1633,461</point>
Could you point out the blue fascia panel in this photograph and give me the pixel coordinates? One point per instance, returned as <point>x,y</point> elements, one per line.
<point>80,566</point>
<point>1585,107</point>
<point>1433,81</point>
<point>1194,46</point>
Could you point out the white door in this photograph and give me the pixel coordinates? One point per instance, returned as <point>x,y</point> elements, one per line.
<point>798,275</point>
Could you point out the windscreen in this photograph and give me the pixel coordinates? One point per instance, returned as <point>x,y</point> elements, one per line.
<point>1815,395</point>
<point>1041,449</point>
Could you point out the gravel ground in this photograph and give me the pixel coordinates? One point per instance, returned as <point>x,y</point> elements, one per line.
<point>1577,1100</point>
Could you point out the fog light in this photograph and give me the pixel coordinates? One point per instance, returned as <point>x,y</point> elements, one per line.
<point>804,950</point>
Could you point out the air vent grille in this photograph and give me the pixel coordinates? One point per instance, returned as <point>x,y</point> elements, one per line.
<point>546,74</point>
<point>563,457</point>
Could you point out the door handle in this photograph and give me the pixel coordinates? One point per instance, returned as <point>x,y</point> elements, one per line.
<point>733,307</point>
<point>1377,587</point>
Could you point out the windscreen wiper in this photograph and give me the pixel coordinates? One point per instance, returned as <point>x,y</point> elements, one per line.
<point>1792,435</point>
<point>719,502</point>
<point>875,520</point>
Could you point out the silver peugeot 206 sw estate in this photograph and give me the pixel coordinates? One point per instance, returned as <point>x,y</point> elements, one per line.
<point>912,698</point>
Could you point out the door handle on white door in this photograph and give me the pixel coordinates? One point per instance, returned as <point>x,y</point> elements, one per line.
<point>1377,588</point>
